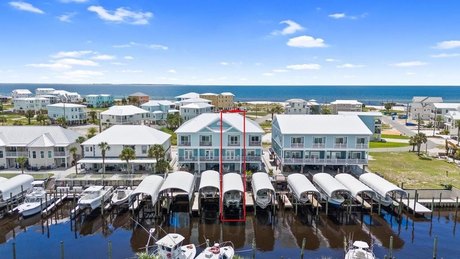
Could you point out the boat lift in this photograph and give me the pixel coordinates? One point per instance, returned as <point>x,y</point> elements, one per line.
<point>264,193</point>
<point>179,182</point>
<point>360,192</point>
<point>335,192</point>
<point>303,191</point>
<point>209,189</point>
<point>150,186</point>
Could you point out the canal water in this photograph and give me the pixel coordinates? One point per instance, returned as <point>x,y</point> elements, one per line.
<point>275,236</point>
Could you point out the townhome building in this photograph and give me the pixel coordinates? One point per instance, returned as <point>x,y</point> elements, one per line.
<point>138,137</point>
<point>159,110</point>
<point>373,121</point>
<point>21,93</point>
<point>441,109</point>
<point>422,107</point>
<point>346,106</point>
<point>66,96</point>
<point>206,140</point>
<point>222,101</point>
<point>125,115</point>
<point>74,114</point>
<point>186,96</point>
<point>450,122</point>
<point>30,103</point>
<point>140,97</point>
<point>44,91</point>
<point>303,141</point>
<point>192,110</point>
<point>99,100</point>
<point>45,147</point>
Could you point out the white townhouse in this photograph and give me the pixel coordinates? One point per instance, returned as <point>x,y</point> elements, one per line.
<point>186,96</point>
<point>138,137</point>
<point>441,109</point>
<point>423,107</point>
<point>44,91</point>
<point>21,93</point>
<point>30,103</point>
<point>124,115</point>
<point>319,140</point>
<point>192,110</point>
<point>450,122</point>
<point>45,147</point>
<point>346,106</point>
<point>199,143</point>
<point>300,106</point>
<point>67,97</point>
<point>74,114</point>
<point>159,109</point>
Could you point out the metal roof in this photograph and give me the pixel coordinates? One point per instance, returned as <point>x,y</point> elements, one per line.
<point>197,105</point>
<point>157,103</point>
<point>98,160</point>
<point>354,185</point>
<point>261,181</point>
<point>129,135</point>
<point>232,182</point>
<point>329,184</point>
<point>371,114</point>
<point>66,105</point>
<point>426,99</point>
<point>179,180</point>
<point>233,119</point>
<point>454,106</point>
<point>321,124</point>
<point>150,186</point>
<point>12,186</point>
<point>188,96</point>
<point>25,135</point>
<point>123,110</point>
<point>299,184</point>
<point>209,178</point>
<point>380,185</point>
<point>346,102</point>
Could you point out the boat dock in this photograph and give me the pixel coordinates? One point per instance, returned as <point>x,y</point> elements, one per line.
<point>196,202</point>
<point>249,199</point>
<point>285,200</point>
<point>413,205</point>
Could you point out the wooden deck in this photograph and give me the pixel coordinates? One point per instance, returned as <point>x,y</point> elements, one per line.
<point>364,203</point>
<point>287,203</point>
<point>314,202</point>
<point>249,199</point>
<point>195,207</point>
<point>417,207</point>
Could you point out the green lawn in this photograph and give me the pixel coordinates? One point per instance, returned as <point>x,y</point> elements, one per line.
<point>413,171</point>
<point>394,136</point>
<point>386,144</point>
<point>36,176</point>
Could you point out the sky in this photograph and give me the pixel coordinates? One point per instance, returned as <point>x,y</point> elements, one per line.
<point>231,42</point>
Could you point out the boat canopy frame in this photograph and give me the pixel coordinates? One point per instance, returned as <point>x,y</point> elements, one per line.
<point>209,178</point>
<point>299,184</point>
<point>179,180</point>
<point>149,186</point>
<point>329,185</point>
<point>232,182</point>
<point>381,186</point>
<point>355,186</point>
<point>261,181</point>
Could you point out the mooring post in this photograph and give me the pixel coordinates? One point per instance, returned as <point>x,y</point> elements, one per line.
<point>435,247</point>
<point>295,200</point>
<point>304,242</point>
<point>456,208</point>
<point>432,207</point>
<point>62,249</point>
<point>327,205</point>
<point>253,248</point>
<point>14,250</point>
<point>110,250</point>
<point>400,205</point>
<point>415,202</point>
<point>440,199</point>
<point>380,205</point>
<point>391,248</point>
<point>408,196</point>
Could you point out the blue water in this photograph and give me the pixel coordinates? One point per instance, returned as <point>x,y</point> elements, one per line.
<point>367,94</point>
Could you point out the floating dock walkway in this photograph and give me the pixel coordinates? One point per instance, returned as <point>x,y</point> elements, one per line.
<point>415,206</point>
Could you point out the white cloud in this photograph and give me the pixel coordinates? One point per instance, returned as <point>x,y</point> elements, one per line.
<point>446,55</point>
<point>337,15</point>
<point>410,64</point>
<point>72,54</point>
<point>267,74</point>
<point>118,63</point>
<point>448,44</point>
<point>292,27</point>
<point>128,57</point>
<point>304,67</point>
<point>279,70</point>
<point>24,6</point>
<point>224,63</point>
<point>410,73</point>
<point>103,57</point>
<point>348,65</point>
<point>67,17</point>
<point>121,15</point>
<point>133,71</point>
<point>74,1</point>
<point>76,62</point>
<point>172,71</point>
<point>306,42</point>
<point>136,44</point>
<point>53,66</point>
<point>332,60</point>
<point>158,46</point>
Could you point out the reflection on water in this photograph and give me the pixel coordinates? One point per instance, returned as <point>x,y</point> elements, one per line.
<point>275,235</point>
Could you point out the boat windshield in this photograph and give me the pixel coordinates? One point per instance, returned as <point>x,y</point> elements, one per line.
<point>32,199</point>
<point>91,194</point>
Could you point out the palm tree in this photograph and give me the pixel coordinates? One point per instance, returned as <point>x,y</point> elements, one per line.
<point>80,140</point>
<point>420,138</point>
<point>104,148</point>
<point>93,114</point>
<point>127,154</point>
<point>29,115</point>
<point>22,160</point>
<point>412,143</point>
<point>73,151</point>
<point>3,120</point>
<point>61,121</point>
<point>91,132</point>
<point>457,124</point>
<point>41,118</point>
<point>275,109</point>
<point>158,152</point>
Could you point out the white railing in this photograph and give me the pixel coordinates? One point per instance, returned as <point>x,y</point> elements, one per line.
<point>187,158</point>
<point>234,143</point>
<point>296,145</point>
<point>17,153</point>
<point>342,145</point>
<point>319,145</point>
<point>205,143</point>
<point>323,161</point>
<point>59,153</point>
<point>362,146</point>
<point>208,158</point>
<point>255,143</point>
<point>185,143</point>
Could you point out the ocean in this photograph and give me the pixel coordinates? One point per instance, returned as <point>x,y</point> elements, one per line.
<point>371,95</point>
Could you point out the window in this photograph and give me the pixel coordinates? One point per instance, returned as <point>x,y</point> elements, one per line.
<point>255,138</point>
<point>340,140</point>
<point>296,140</point>
<point>360,140</point>
<point>86,149</point>
<point>230,154</point>
<point>205,140</point>
<point>209,154</point>
<point>318,140</point>
<point>144,149</point>
<point>185,140</point>
<point>1,154</point>
<point>34,154</point>
<point>42,154</point>
<point>50,154</point>
<point>233,140</point>
<point>188,154</point>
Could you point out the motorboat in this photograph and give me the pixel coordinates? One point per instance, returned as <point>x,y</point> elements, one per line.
<point>263,190</point>
<point>218,251</point>
<point>170,247</point>
<point>232,199</point>
<point>121,195</point>
<point>35,201</point>
<point>359,250</point>
<point>233,189</point>
<point>93,196</point>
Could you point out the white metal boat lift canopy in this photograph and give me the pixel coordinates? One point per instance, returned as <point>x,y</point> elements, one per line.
<point>209,178</point>
<point>261,181</point>
<point>380,185</point>
<point>232,182</point>
<point>109,161</point>
<point>329,184</point>
<point>150,186</point>
<point>300,185</point>
<point>12,186</point>
<point>180,180</point>
<point>2,179</point>
<point>355,186</point>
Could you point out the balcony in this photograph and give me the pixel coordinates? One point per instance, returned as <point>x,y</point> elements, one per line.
<point>59,153</point>
<point>187,158</point>
<point>362,146</point>
<point>208,158</point>
<point>340,145</point>
<point>205,143</point>
<point>323,161</point>
<point>17,153</point>
<point>297,145</point>
<point>185,143</point>
<point>255,143</point>
<point>253,158</point>
<point>231,158</point>
<point>234,143</point>
<point>319,145</point>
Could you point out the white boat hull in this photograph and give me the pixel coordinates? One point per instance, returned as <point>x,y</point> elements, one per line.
<point>226,252</point>
<point>93,203</point>
<point>29,209</point>
<point>120,200</point>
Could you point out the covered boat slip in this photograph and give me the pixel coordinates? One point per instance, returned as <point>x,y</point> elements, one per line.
<point>150,186</point>
<point>178,184</point>
<point>303,190</point>
<point>382,187</point>
<point>232,190</point>
<point>264,193</point>
<point>358,190</point>
<point>335,191</point>
<point>14,188</point>
<point>209,184</point>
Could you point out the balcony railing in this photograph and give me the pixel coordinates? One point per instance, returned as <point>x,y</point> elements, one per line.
<point>319,145</point>
<point>234,143</point>
<point>296,145</point>
<point>361,146</point>
<point>59,153</point>
<point>340,145</point>
<point>231,158</point>
<point>185,143</point>
<point>187,158</point>
<point>255,143</point>
<point>17,153</point>
<point>208,158</point>
<point>206,143</point>
<point>323,161</point>
<point>253,158</point>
